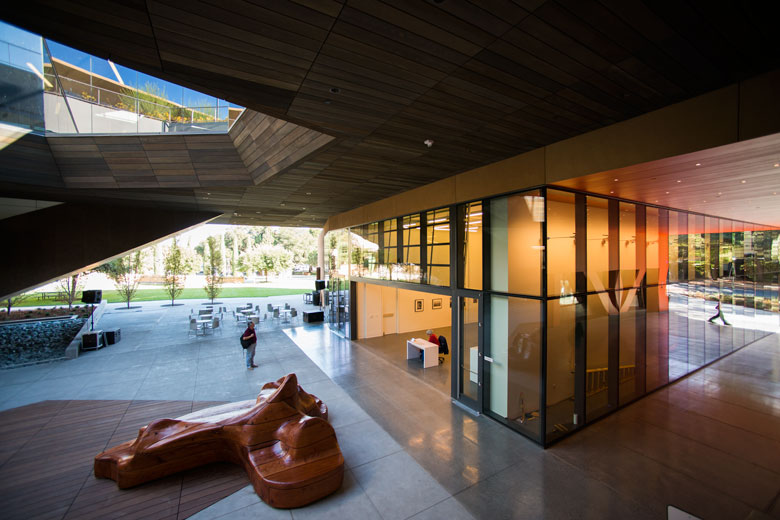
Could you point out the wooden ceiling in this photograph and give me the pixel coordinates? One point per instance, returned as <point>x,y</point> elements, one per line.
<point>484,80</point>
<point>739,181</point>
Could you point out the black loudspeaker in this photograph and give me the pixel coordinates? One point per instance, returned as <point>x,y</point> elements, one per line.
<point>92,340</point>
<point>91,296</point>
<point>113,336</point>
<point>315,299</point>
<point>319,285</point>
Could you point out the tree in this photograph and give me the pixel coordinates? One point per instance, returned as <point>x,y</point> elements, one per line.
<point>213,262</point>
<point>70,286</point>
<point>15,300</point>
<point>175,269</point>
<point>125,272</point>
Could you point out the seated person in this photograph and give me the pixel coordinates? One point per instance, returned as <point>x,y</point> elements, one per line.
<point>433,338</point>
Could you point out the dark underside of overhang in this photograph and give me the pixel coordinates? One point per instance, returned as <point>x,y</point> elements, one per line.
<point>351,90</point>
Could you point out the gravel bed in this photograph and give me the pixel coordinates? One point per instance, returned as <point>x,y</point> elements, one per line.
<point>24,343</point>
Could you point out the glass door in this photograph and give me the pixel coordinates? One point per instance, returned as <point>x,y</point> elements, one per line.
<point>469,350</point>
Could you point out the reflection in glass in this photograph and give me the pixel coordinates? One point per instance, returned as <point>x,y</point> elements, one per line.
<point>469,348</point>
<point>561,247</point>
<point>438,247</point>
<point>515,244</point>
<point>598,244</point>
<point>472,216</point>
<point>561,338</point>
<point>515,373</point>
<point>597,378</point>
<point>629,276</point>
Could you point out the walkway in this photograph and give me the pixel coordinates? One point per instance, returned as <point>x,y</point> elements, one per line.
<point>709,444</point>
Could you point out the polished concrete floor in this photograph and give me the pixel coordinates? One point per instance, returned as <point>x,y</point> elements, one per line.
<point>392,348</point>
<point>708,444</point>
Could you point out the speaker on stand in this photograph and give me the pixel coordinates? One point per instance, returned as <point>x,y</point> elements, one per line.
<point>92,297</point>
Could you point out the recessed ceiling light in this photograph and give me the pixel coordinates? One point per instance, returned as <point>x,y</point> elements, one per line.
<point>656,201</point>
<point>777,165</point>
<point>719,194</point>
<point>335,90</point>
<point>679,181</point>
<point>303,208</point>
<point>743,181</point>
<point>612,192</point>
<point>698,164</point>
<point>308,193</point>
<point>258,212</point>
<point>616,180</point>
<point>428,142</point>
<point>667,193</point>
<point>281,203</point>
<point>704,201</point>
<point>774,193</point>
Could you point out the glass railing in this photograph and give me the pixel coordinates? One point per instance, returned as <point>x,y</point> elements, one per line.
<point>53,89</point>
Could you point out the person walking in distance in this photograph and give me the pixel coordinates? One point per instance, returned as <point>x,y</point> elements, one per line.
<point>249,342</point>
<point>719,315</point>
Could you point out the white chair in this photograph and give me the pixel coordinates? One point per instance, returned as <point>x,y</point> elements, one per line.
<point>195,328</point>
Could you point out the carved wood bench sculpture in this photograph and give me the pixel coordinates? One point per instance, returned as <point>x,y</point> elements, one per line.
<point>282,439</point>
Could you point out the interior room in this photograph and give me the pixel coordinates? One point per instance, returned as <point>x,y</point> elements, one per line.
<point>388,317</point>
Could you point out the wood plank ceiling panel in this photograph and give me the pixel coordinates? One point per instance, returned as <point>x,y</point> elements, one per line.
<point>356,87</point>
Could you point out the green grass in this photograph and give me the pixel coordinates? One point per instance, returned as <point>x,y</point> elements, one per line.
<point>150,295</point>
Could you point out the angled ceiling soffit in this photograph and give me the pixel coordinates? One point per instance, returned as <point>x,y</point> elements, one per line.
<point>269,146</point>
<point>156,161</point>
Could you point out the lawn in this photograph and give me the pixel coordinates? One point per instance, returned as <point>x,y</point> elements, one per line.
<point>149,295</point>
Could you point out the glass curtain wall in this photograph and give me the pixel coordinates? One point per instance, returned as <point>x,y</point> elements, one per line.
<point>589,302</point>
<point>657,294</point>
<point>413,248</point>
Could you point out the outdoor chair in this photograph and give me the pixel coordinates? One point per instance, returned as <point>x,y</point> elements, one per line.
<point>240,318</point>
<point>293,314</point>
<point>194,329</point>
<point>276,313</point>
<point>215,325</point>
<point>287,306</point>
<point>270,308</point>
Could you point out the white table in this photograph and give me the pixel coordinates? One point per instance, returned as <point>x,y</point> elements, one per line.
<point>430,351</point>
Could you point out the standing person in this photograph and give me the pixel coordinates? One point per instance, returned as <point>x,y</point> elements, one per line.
<point>249,342</point>
<point>719,315</point>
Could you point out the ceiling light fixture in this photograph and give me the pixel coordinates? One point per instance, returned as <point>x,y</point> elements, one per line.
<point>743,181</point>
<point>679,180</point>
<point>428,142</point>
<point>616,180</point>
<point>777,165</point>
<point>698,164</point>
<point>612,192</point>
<point>667,193</point>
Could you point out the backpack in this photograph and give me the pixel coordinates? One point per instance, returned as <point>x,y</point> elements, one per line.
<point>443,348</point>
<point>244,342</point>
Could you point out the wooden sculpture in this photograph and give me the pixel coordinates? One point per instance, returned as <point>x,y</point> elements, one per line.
<point>282,439</point>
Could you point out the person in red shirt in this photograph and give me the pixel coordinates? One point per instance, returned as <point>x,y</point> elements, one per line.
<point>250,336</point>
<point>433,338</point>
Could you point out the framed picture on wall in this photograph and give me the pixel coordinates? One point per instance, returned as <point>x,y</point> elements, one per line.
<point>418,305</point>
<point>436,303</point>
